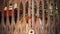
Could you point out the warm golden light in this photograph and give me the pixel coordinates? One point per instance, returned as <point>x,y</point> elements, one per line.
<point>5,8</point>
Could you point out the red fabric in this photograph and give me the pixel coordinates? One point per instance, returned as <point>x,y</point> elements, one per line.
<point>35,19</point>
<point>27,18</point>
<point>10,12</point>
<point>5,12</point>
<point>0,12</point>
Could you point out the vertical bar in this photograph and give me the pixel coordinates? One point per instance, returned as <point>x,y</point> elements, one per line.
<point>12,11</point>
<point>54,10</point>
<point>2,9</point>
<point>12,23</point>
<point>33,14</point>
<point>24,20</point>
<point>48,5</point>
<point>18,11</point>
<point>7,21</point>
<point>29,14</point>
<point>3,12</point>
<point>37,9</point>
<point>38,23</point>
<point>43,19</point>
<point>24,12</point>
